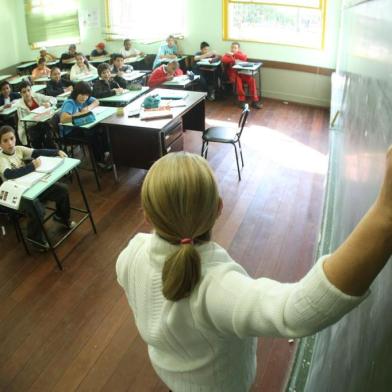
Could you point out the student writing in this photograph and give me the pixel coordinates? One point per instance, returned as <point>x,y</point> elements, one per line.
<point>57,85</point>
<point>164,73</point>
<point>82,68</point>
<point>198,310</point>
<point>13,165</point>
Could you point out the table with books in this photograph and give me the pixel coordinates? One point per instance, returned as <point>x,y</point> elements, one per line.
<point>123,99</point>
<point>32,185</point>
<point>181,82</point>
<point>139,137</point>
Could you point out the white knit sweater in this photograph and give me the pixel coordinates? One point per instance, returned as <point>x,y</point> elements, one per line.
<point>206,342</point>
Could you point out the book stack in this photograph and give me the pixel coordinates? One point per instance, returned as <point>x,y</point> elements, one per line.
<point>156,113</point>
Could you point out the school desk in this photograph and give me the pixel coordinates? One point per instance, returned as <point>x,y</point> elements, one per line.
<point>135,59</point>
<point>52,63</point>
<point>181,82</point>
<point>38,88</point>
<point>7,111</point>
<point>254,69</point>
<point>99,60</point>
<point>134,75</point>
<point>69,165</point>
<point>137,143</point>
<point>85,78</point>
<point>123,99</point>
<point>27,67</point>
<point>45,79</point>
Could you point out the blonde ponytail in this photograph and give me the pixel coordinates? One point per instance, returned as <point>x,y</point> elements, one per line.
<point>180,198</point>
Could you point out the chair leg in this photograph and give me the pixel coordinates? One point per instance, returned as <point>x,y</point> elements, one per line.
<point>206,151</point>
<point>94,165</point>
<point>240,147</point>
<point>238,165</point>
<point>202,149</point>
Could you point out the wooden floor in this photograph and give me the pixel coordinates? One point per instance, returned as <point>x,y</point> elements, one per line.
<point>73,330</point>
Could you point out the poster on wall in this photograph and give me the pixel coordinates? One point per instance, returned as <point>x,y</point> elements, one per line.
<point>90,19</point>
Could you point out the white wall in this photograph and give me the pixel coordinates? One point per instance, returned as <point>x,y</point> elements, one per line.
<point>203,22</point>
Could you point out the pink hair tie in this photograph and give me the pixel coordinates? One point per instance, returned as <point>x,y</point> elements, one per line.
<point>186,241</point>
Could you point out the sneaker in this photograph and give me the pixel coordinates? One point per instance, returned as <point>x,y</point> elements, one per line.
<point>68,224</point>
<point>106,156</point>
<point>256,105</point>
<point>210,98</point>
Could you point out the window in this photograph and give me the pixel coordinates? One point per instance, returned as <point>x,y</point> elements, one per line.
<point>286,22</point>
<point>49,23</point>
<point>127,19</point>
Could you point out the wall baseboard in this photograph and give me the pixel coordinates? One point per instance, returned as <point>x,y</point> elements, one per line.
<point>282,96</point>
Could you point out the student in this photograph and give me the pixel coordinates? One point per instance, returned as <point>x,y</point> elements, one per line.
<point>7,97</point>
<point>164,73</point>
<point>68,58</point>
<point>57,85</point>
<point>127,51</point>
<point>43,54</point>
<point>198,310</point>
<point>99,50</point>
<point>13,165</point>
<point>41,70</point>
<point>118,68</point>
<point>107,86</point>
<point>206,77</point>
<point>81,68</point>
<point>40,134</point>
<point>80,102</point>
<point>167,51</point>
<point>239,78</point>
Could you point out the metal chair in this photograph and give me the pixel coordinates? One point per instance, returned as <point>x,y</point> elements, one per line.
<point>227,135</point>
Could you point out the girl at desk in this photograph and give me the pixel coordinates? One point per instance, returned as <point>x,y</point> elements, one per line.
<point>199,311</point>
<point>79,103</point>
<point>41,70</point>
<point>57,85</point>
<point>82,68</point>
<point>40,134</point>
<point>13,165</point>
<point>107,86</point>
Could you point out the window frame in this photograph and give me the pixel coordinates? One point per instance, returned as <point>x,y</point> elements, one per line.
<point>225,22</point>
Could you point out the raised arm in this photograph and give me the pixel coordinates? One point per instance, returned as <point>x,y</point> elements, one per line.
<point>356,263</point>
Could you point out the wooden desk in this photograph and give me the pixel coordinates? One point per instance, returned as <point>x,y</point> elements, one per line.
<point>137,143</point>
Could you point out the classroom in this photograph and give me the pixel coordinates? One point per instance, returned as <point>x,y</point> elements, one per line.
<point>196,195</point>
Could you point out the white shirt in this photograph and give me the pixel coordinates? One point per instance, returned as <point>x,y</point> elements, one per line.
<point>206,342</point>
<point>130,53</point>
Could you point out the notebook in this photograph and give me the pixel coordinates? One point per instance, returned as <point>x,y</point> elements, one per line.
<point>48,164</point>
<point>156,113</point>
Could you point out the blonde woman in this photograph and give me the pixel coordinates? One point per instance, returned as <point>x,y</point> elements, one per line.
<point>198,310</point>
<point>82,68</point>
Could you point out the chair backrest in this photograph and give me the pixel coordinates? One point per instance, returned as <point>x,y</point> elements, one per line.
<point>242,121</point>
<point>54,126</point>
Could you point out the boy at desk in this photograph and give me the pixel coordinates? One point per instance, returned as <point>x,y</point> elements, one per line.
<point>107,86</point>
<point>13,165</point>
<point>7,96</point>
<point>239,78</point>
<point>118,68</point>
<point>40,134</point>
<point>68,58</point>
<point>168,51</point>
<point>164,73</point>
<point>99,51</point>
<point>57,85</point>
<point>43,54</point>
<point>128,51</point>
<point>41,70</point>
<point>206,77</point>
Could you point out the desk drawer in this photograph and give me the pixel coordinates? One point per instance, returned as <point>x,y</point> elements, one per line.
<point>177,145</point>
<point>172,134</point>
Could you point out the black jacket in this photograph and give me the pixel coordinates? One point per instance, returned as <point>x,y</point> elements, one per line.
<point>54,88</point>
<point>104,88</point>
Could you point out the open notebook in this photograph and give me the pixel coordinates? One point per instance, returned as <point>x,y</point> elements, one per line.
<point>48,164</point>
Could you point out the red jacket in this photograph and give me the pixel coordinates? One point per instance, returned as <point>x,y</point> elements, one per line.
<point>159,76</point>
<point>229,60</point>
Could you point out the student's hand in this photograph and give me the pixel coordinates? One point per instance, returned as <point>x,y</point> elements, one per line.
<point>62,154</point>
<point>172,56</point>
<point>119,90</point>
<point>69,88</point>
<point>85,109</point>
<point>46,105</point>
<point>36,163</point>
<point>120,73</point>
<point>169,77</point>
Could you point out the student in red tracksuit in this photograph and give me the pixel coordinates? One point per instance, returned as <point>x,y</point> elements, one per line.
<point>164,73</point>
<point>230,59</point>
